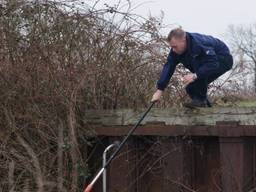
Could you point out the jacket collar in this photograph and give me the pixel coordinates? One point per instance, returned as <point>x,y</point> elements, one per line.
<point>193,47</point>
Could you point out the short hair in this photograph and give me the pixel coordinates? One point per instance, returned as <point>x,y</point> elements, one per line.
<point>178,33</point>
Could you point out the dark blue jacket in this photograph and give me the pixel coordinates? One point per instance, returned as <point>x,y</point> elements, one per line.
<point>200,57</point>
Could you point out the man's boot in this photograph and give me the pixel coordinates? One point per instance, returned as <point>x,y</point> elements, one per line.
<point>208,103</point>
<point>196,103</point>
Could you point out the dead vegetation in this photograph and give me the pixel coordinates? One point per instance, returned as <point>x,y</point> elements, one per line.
<point>58,59</point>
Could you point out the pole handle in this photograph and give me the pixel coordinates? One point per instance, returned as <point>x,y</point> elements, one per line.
<point>88,188</point>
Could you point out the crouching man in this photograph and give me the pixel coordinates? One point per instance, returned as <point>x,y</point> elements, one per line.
<point>204,56</point>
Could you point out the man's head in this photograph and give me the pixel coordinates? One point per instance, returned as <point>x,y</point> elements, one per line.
<point>177,40</point>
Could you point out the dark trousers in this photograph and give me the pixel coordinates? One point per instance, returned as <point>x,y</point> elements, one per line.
<point>198,88</point>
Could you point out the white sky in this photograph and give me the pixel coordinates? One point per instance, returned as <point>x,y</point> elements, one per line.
<point>204,16</point>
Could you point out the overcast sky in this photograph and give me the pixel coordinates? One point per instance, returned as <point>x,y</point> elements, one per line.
<point>204,16</point>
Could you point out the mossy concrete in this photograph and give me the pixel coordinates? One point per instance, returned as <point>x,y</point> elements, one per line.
<point>174,116</point>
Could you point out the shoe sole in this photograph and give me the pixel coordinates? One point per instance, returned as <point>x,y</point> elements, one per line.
<point>194,107</point>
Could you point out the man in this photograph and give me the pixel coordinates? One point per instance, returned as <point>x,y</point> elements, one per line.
<point>204,56</point>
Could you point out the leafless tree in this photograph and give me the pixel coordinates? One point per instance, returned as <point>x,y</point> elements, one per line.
<point>242,40</point>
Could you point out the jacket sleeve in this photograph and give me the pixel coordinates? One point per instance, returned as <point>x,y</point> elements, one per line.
<point>167,72</point>
<point>209,64</point>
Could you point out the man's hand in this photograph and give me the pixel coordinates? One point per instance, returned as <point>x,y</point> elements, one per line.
<point>189,78</point>
<point>157,95</point>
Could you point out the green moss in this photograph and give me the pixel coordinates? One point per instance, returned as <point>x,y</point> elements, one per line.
<point>248,103</point>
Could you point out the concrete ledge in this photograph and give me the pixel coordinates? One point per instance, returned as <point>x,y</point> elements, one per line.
<point>173,116</point>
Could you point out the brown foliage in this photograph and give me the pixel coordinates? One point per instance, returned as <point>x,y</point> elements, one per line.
<point>57,60</point>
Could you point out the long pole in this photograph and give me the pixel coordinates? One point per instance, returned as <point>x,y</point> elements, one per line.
<point>90,186</point>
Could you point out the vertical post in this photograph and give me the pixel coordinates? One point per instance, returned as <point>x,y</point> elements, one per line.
<point>173,164</point>
<point>104,187</point>
<point>231,155</point>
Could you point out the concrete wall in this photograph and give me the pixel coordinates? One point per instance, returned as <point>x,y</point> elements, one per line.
<point>206,150</point>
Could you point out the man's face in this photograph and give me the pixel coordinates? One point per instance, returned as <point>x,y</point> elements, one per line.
<point>178,45</point>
